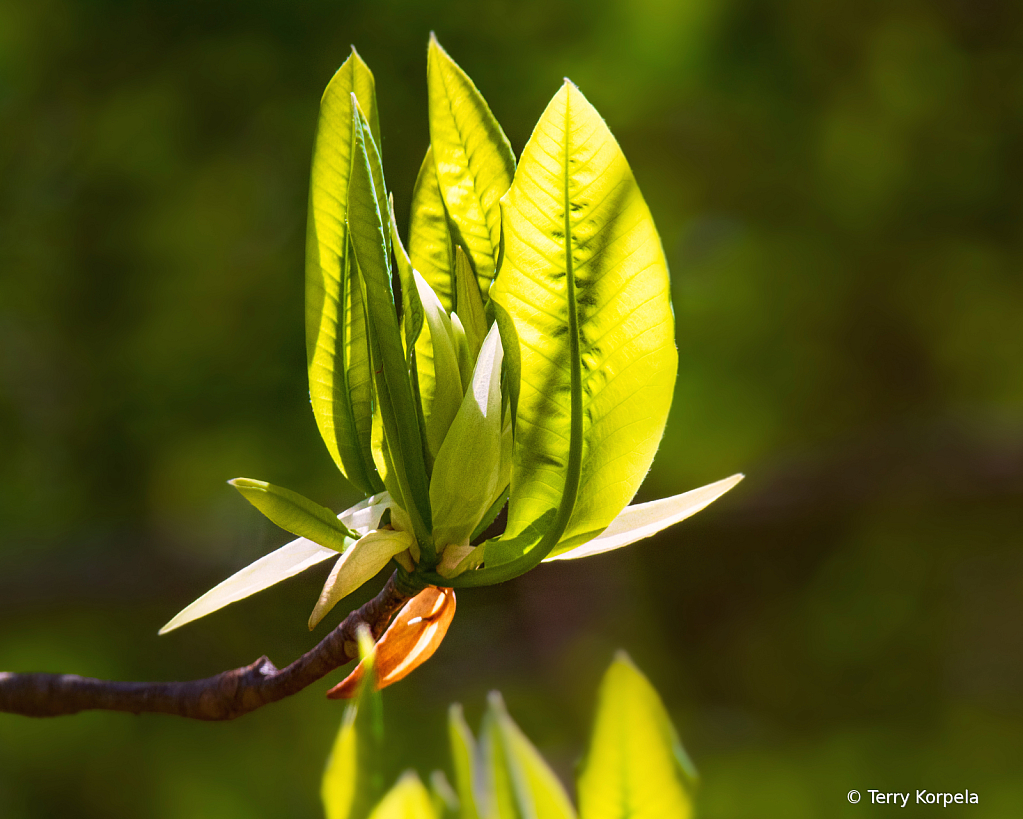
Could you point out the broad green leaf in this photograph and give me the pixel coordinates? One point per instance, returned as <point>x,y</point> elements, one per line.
<point>340,374</point>
<point>585,284</point>
<point>537,791</point>
<point>289,560</point>
<point>463,755</point>
<point>408,799</point>
<point>473,159</point>
<point>359,563</point>
<point>636,767</point>
<point>367,217</point>
<point>353,780</point>
<point>411,305</point>
<point>295,513</point>
<point>646,519</point>
<point>470,304</point>
<point>440,384</point>
<point>472,447</point>
<point>430,245</point>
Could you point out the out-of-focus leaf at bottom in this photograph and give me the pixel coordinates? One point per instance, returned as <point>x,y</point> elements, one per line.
<point>636,767</point>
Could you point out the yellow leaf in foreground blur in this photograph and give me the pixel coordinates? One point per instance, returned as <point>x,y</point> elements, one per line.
<point>635,767</point>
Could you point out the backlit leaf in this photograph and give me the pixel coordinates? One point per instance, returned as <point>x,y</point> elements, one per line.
<point>473,159</point>
<point>585,284</point>
<point>368,220</point>
<point>472,448</point>
<point>470,304</point>
<point>537,791</point>
<point>408,799</point>
<point>353,781</point>
<point>636,767</point>
<point>340,374</point>
<point>430,245</point>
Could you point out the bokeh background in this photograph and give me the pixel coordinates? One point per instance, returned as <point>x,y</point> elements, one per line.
<point>838,189</point>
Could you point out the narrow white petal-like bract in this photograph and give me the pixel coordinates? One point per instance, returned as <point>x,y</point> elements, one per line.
<point>357,565</point>
<point>289,560</point>
<point>646,519</point>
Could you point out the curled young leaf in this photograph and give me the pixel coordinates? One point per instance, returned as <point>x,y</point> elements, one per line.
<point>440,382</point>
<point>472,447</point>
<point>410,640</point>
<point>340,374</point>
<point>362,561</point>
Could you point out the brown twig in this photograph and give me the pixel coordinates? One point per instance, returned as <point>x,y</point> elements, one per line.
<point>224,696</point>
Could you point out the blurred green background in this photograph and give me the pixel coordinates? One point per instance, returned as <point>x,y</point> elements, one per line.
<point>838,189</point>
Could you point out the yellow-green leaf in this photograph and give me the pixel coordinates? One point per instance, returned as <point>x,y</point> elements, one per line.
<point>472,447</point>
<point>353,780</point>
<point>359,563</point>
<point>473,159</point>
<point>469,304</point>
<point>429,238</point>
<point>440,382</point>
<point>411,304</point>
<point>636,767</point>
<point>295,513</point>
<point>463,754</point>
<point>340,374</point>
<point>538,792</point>
<point>408,799</point>
<point>585,284</point>
<point>369,223</point>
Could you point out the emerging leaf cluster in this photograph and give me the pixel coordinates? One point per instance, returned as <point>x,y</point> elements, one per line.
<point>635,767</point>
<point>517,359</point>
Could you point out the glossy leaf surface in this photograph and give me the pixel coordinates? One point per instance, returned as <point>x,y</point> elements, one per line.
<point>340,374</point>
<point>585,284</point>
<point>636,767</point>
<point>473,159</point>
<point>295,513</point>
